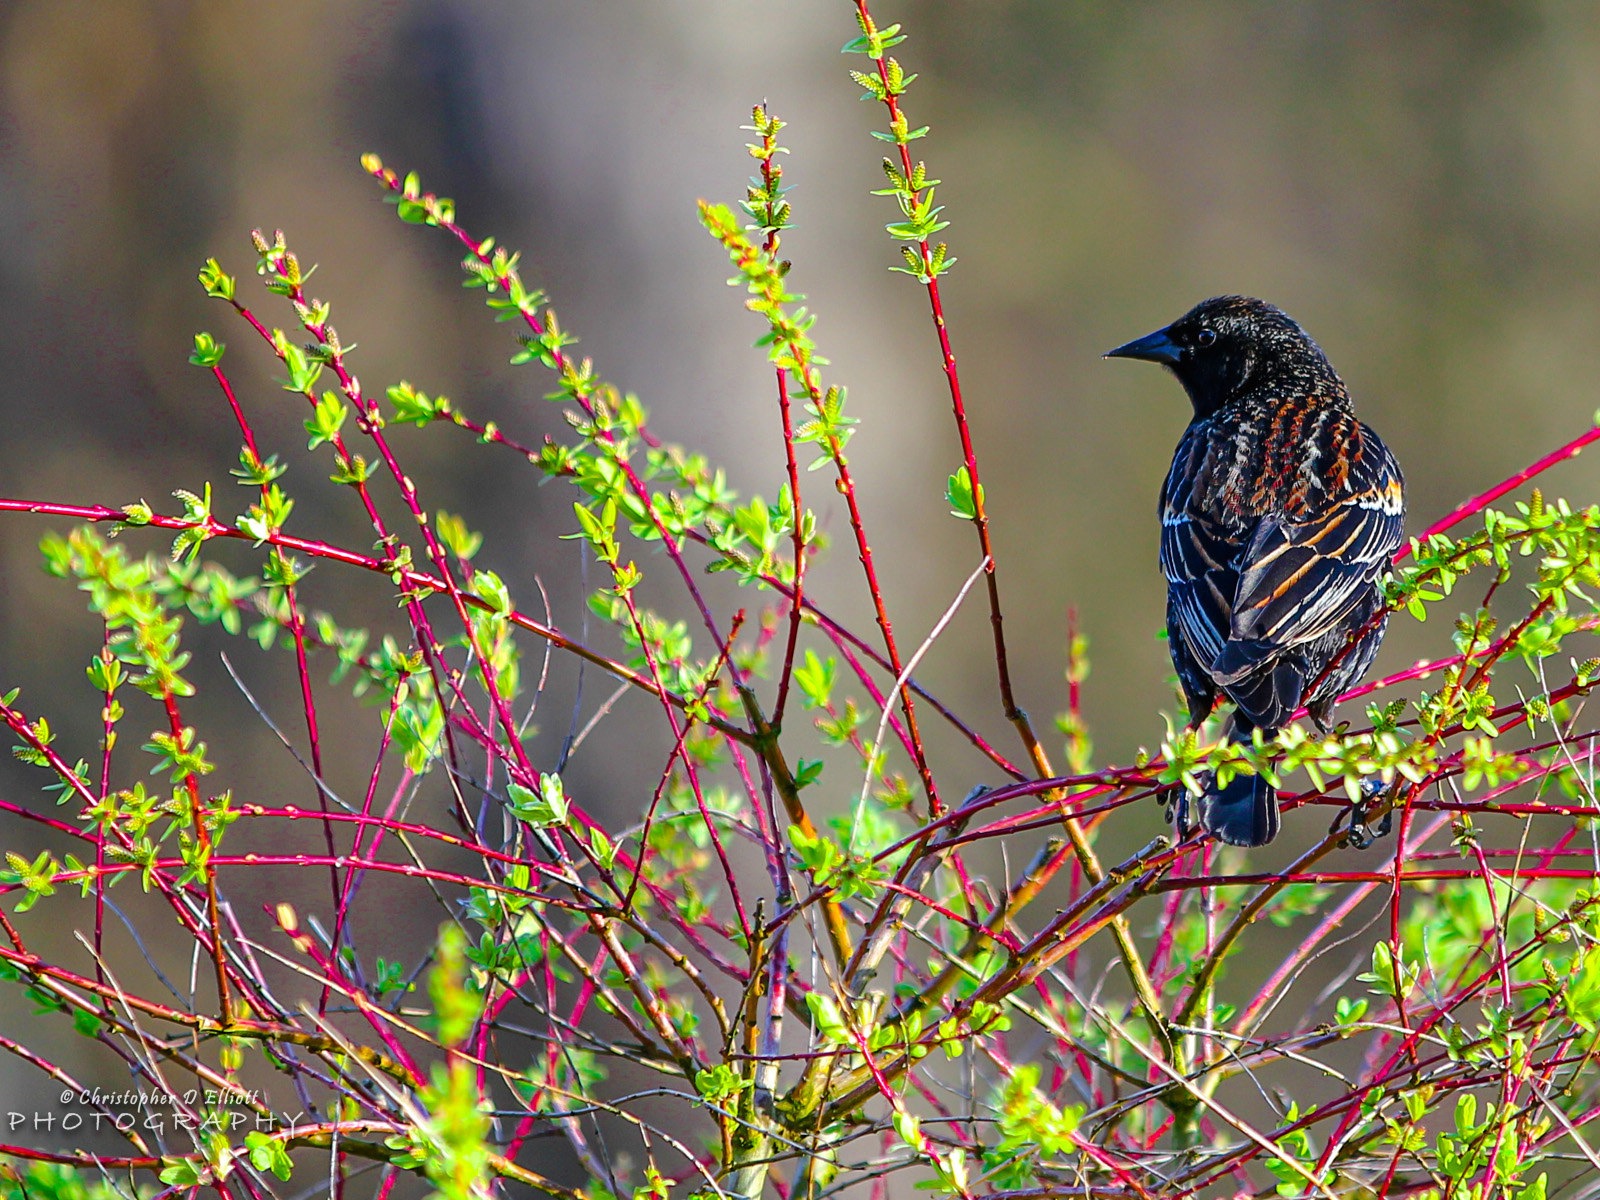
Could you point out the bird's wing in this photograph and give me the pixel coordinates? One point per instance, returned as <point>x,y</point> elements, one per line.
<point>1198,549</point>
<point>1195,557</point>
<point>1299,579</point>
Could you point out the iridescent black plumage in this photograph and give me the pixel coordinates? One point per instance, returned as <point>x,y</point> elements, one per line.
<point>1278,516</point>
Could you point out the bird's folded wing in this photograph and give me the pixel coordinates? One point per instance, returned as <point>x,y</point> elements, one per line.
<point>1198,547</point>
<point>1298,580</point>
<point>1195,557</point>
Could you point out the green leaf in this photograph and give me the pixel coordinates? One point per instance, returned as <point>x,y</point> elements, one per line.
<point>456,536</point>
<point>814,677</point>
<point>720,1083</point>
<point>828,1019</point>
<point>268,1153</point>
<point>958,491</point>
<point>326,419</point>
<point>456,1005</point>
<point>544,808</point>
<point>218,284</point>
<point>207,351</point>
<point>487,586</point>
<point>182,1173</point>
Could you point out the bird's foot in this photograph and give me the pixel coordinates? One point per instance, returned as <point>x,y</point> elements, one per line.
<point>1358,835</point>
<point>1179,809</point>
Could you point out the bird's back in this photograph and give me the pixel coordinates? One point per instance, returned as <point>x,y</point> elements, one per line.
<point>1278,515</point>
<point>1289,457</point>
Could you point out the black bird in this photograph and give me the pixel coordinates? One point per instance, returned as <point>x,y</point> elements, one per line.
<point>1279,514</point>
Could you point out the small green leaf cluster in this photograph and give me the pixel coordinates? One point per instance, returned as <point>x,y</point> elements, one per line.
<point>1389,977</point>
<point>207,351</point>
<point>450,1140</point>
<point>197,512</point>
<point>35,748</point>
<point>412,204</point>
<point>37,878</point>
<point>788,337</point>
<point>496,907</point>
<point>1565,541</point>
<point>909,185</point>
<point>218,284</point>
<point>892,82</point>
<point>914,194</point>
<point>543,807</point>
<point>128,820</point>
<point>764,203</point>
<point>721,1084</point>
<point>1498,1150</point>
<point>1031,1127</point>
<point>751,538</point>
<point>850,874</point>
<point>142,630</point>
<point>964,502</point>
<point>983,1018</point>
<point>1296,1168</point>
<point>413,406</point>
<point>268,1153</point>
<point>255,471</point>
<point>658,643</point>
<point>57,1181</point>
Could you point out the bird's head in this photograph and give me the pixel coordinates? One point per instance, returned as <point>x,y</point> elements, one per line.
<point>1227,346</point>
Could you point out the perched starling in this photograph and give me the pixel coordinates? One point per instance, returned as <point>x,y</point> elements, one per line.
<point>1279,514</point>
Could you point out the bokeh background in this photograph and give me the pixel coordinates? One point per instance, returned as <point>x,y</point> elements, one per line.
<point>1417,184</point>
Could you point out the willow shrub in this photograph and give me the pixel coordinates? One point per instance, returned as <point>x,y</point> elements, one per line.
<point>783,968</point>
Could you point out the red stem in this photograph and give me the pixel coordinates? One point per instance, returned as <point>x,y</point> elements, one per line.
<point>1482,501</point>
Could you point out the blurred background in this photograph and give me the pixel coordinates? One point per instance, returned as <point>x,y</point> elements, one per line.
<point>1416,184</point>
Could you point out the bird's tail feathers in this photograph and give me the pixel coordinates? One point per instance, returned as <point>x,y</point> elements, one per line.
<point>1266,692</point>
<point>1240,657</point>
<point>1243,813</point>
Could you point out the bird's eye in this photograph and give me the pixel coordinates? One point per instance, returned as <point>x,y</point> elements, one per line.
<point>1205,337</point>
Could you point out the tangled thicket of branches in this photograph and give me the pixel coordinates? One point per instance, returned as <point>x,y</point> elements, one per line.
<point>785,971</point>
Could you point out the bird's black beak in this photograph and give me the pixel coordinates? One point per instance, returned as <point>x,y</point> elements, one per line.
<point>1154,347</point>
